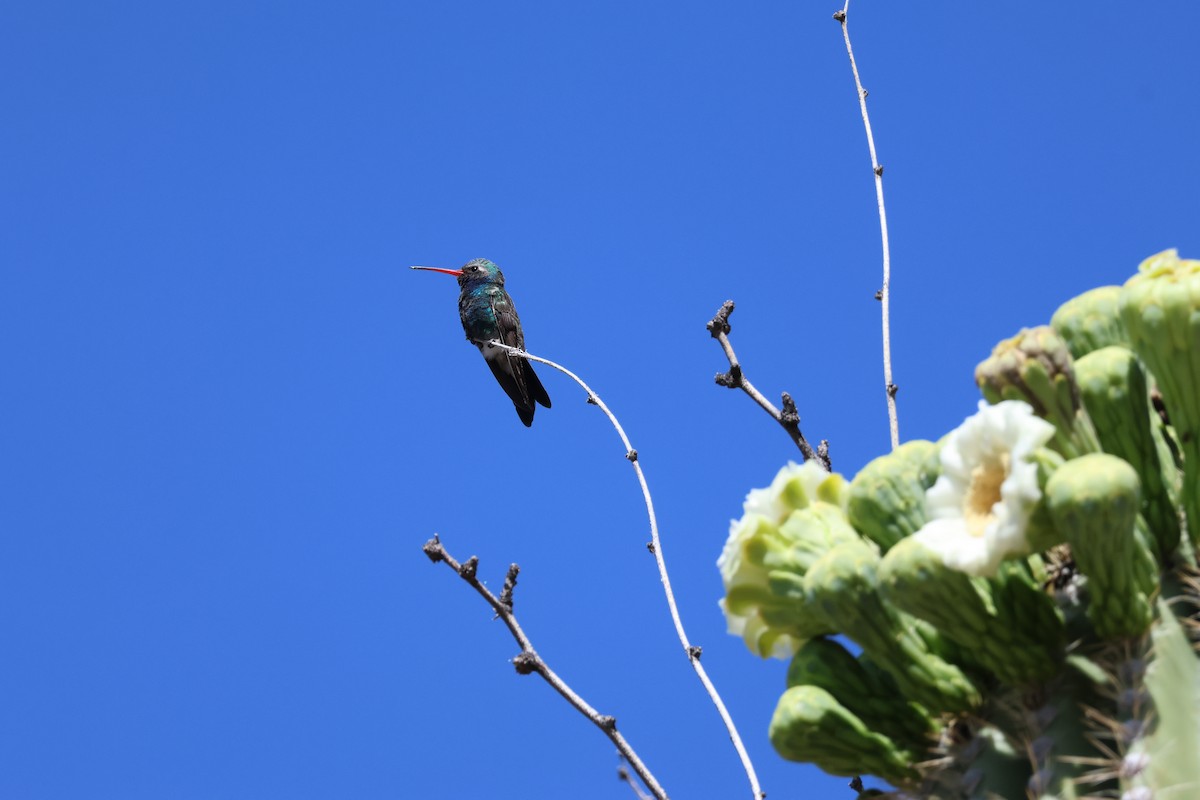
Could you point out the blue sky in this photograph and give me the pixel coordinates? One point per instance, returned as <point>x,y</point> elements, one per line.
<point>233,415</point>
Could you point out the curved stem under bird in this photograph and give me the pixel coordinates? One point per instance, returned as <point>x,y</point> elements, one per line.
<point>692,651</point>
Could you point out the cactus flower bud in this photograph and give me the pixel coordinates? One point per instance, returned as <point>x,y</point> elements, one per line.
<point>1091,321</point>
<point>1017,635</point>
<point>1160,307</point>
<point>1113,385</point>
<point>842,587</point>
<point>886,500</point>
<point>810,725</point>
<point>1094,499</point>
<point>868,692</point>
<point>1035,366</point>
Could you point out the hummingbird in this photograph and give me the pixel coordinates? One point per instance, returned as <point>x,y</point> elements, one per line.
<point>487,312</point>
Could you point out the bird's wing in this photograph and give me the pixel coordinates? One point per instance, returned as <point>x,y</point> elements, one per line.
<point>507,321</point>
<point>524,380</point>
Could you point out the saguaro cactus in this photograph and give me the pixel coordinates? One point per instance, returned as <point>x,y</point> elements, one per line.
<point>1024,606</point>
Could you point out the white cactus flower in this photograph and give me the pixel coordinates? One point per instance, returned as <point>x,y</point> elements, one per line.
<point>979,508</point>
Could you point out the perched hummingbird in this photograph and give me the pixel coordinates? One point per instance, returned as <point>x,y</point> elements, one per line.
<point>487,312</point>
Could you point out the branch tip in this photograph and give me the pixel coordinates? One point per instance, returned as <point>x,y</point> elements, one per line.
<point>510,583</point>
<point>735,378</point>
<point>789,416</point>
<point>719,324</point>
<point>434,550</point>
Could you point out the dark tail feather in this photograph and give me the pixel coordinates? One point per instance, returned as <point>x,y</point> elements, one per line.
<point>513,375</point>
<point>536,390</point>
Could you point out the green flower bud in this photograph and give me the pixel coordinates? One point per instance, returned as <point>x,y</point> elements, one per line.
<point>1095,500</point>
<point>1017,635</point>
<point>1160,307</point>
<point>1091,321</point>
<point>886,500</point>
<point>841,586</point>
<point>809,725</point>
<point>1115,392</point>
<point>1035,366</point>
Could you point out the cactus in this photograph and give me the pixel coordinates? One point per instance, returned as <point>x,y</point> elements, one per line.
<point>886,500</point>
<point>865,690</point>
<point>1160,307</point>
<point>1022,591</point>
<point>1007,625</point>
<point>1095,499</point>
<point>811,725</point>
<point>1036,366</point>
<point>1091,321</point>
<point>1115,393</point>
<point>784,529</point>
<point>841,586</point>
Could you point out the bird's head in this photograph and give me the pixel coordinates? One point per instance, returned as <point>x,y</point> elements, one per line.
<point>473,273</point>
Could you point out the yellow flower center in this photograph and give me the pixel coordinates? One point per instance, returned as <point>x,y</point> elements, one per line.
<point>984,493</point>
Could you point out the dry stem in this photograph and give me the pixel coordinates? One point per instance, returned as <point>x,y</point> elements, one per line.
<point>529,661</point>
<point>789,418</point>
<point>884,294</point>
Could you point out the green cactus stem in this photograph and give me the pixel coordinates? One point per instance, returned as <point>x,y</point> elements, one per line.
<point>1035,366</point>
<point>1160,307</point>
<point>1095,500</point>
<point>1115,392</point>
<point>886,500</point>
<point>1091,321</point>
<point>1167,758</point>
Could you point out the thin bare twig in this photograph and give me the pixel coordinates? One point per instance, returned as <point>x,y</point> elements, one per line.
<point>529,661</point>
<point>789,417</point>
<point>692,651</point>
<point>884,294</point>
<point>623,775</point>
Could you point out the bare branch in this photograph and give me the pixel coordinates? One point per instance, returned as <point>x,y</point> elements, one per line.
<point>655,546</point>
<point>884,294</point>
<point>528,661</point>
<point>789,417</point>
<point>623,775</point>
